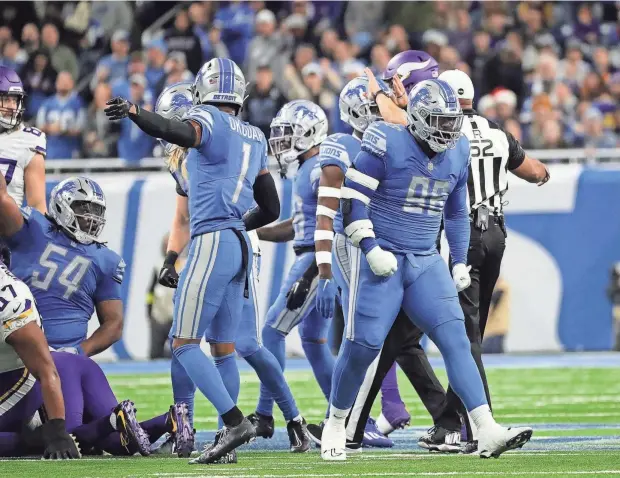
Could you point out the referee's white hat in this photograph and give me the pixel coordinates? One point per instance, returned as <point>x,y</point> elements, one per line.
<point>460,83</point>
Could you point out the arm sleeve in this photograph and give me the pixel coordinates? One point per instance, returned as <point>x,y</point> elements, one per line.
<point>456,220</point>
<point>175,132</point>
<point>268,203</point>
<point>516,154</point>
<point>359,187</point>
<point>109,288</point>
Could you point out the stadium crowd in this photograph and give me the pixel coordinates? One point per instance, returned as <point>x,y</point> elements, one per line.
<point>549,72</point>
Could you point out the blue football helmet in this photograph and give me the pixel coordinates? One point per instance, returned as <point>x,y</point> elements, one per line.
<point>435,115</point>
<point>78,206</point>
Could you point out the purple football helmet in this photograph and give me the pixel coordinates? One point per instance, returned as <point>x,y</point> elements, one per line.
<point>11,98</point>
<point>412,66</point>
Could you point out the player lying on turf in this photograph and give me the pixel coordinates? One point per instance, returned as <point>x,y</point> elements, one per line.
<point>227,171</point>
<point>70,272</point>
<point>174,103</point>
<point>406,179</point>
<point>296,134</point>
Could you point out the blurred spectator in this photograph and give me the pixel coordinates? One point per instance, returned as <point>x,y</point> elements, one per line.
<point>182,38</point>
<point>63,57</point>
<point>586,28</point>
<point>514,128</point>
<point>602,66</point>
<point>495,24</point>
<point>573,68</point>
<point>397,39</point>
<point>342,55</point>
<point>264,100</point>
<point>100,134</point>
<point>379,57</point>
<point>329,39</point>
<point>155,58</point>
<point>61,117</point>
<point>5,35</point>
<point>448,58</point>
<point>136,66</point>
<point>39,79</point>
<point>551,135</point>
<point>134,144</point>
<point>295,28</point>
<point>462,37</point>
<point>293,83</point>
<point>487,107</point>
<point>236,22</point>
<point>542,110</point>
<point>31,40</point>
<point>433,40</point>
<point>112,16</point>
<point>176,70</point>
<point>210,38</point>
<point>113,66</point>
<point>592,87</point>
<point>504,69</point>
<point>266,47</point>
<point>479,57</point>
<point>505,105</point>
<point>12,56</point>
<point>313,79</point>
<point>545,77</point>
<point>362,17</point>
<point>564,100</point>
<point>595,135</point>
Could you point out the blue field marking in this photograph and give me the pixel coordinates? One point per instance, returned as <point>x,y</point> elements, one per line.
<point>581,360</point>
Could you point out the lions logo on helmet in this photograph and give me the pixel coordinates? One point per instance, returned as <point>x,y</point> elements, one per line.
<point>219,81</point>
<point>173,103</point>
<point>299,126</point>
<point>435,114</point>
<point>356,108</point>
<point>78,206</point>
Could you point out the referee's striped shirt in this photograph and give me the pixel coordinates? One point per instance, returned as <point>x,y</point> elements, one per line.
<point>493,152</point>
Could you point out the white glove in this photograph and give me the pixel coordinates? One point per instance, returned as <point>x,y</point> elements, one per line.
<point>69,350</point>
<point>460,275</point>
<point>383,263</point>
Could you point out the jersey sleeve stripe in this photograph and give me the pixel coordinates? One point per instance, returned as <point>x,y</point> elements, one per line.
<point>363,179</point>
<point>348,193</point>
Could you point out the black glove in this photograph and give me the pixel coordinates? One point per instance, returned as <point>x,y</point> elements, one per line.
<point>59,445</point>
<point>297,294</point>
<point>168,276</point>
<point>118,108</point>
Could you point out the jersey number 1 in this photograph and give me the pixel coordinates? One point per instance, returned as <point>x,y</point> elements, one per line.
<point>245,164</point>
<point>76,268</point>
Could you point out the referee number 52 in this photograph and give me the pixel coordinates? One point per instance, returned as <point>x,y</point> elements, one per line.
<point>478,146</point>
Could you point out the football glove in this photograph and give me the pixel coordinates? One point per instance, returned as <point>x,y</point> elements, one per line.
<point>460,275</point>
<point>326,294</point>
<point>383,263</point>
<point>72,350</point>
<point>298,293</point>
<point>59,445</point>
<point>168,276</point>
<point>117,108</point>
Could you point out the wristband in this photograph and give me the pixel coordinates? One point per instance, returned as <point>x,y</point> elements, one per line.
<point>323,257</point>
<point>171,258</point>
<point>380,92</point>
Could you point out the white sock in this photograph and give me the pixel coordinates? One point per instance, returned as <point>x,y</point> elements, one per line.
<point>338,415</point>
<point>298,418</point>
<point>113,420</point>
<point>482,417</point>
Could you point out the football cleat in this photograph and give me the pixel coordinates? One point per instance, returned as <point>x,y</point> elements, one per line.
<point>264,425</point>
<point>496,440</point>
<point>228,458</point>
<point>393,416</point>
<point>374,438</point>
<point>166,448</point>
<point>470,447</point>
<point>441,440</point>
<point>229,439</point>
<point>298,436</point>
<point>132,434</point>
<point>182,430</point>
<point>315,432</point>
<point>333,441</point>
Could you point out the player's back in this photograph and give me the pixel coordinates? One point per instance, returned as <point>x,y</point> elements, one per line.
<point>17,148</point>
<point>222,170</point>
<point>339,150</point>
<point>305,201</point>
<point>66,278</point>
<point>408,204</point>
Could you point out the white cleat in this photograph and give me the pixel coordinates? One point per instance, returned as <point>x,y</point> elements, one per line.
<point>333,442</point>
<point>496,440</point>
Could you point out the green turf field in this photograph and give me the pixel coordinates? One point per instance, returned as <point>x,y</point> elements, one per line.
<point>575,413</point>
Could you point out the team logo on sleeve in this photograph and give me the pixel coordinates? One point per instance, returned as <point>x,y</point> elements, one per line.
<point>119,274</point>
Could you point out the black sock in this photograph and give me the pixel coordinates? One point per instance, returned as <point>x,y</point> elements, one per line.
<point>232,417</point>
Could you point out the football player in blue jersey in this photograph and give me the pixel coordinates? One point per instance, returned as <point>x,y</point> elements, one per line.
<point>393,200</point>
<point>173,103</point>
<point>296,134</point>
<point>69,271</point>
<point>226,171</point>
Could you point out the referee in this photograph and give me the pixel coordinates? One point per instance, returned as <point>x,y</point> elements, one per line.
<point>493,152</point>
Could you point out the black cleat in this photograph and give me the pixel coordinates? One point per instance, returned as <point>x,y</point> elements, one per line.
<point>470,447</point>
<point>264,425</point>
<point>229,439</point>
<point>228,458</point>
<point>315,432</point>
<point>298,437</point>
<point>441,440</point>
